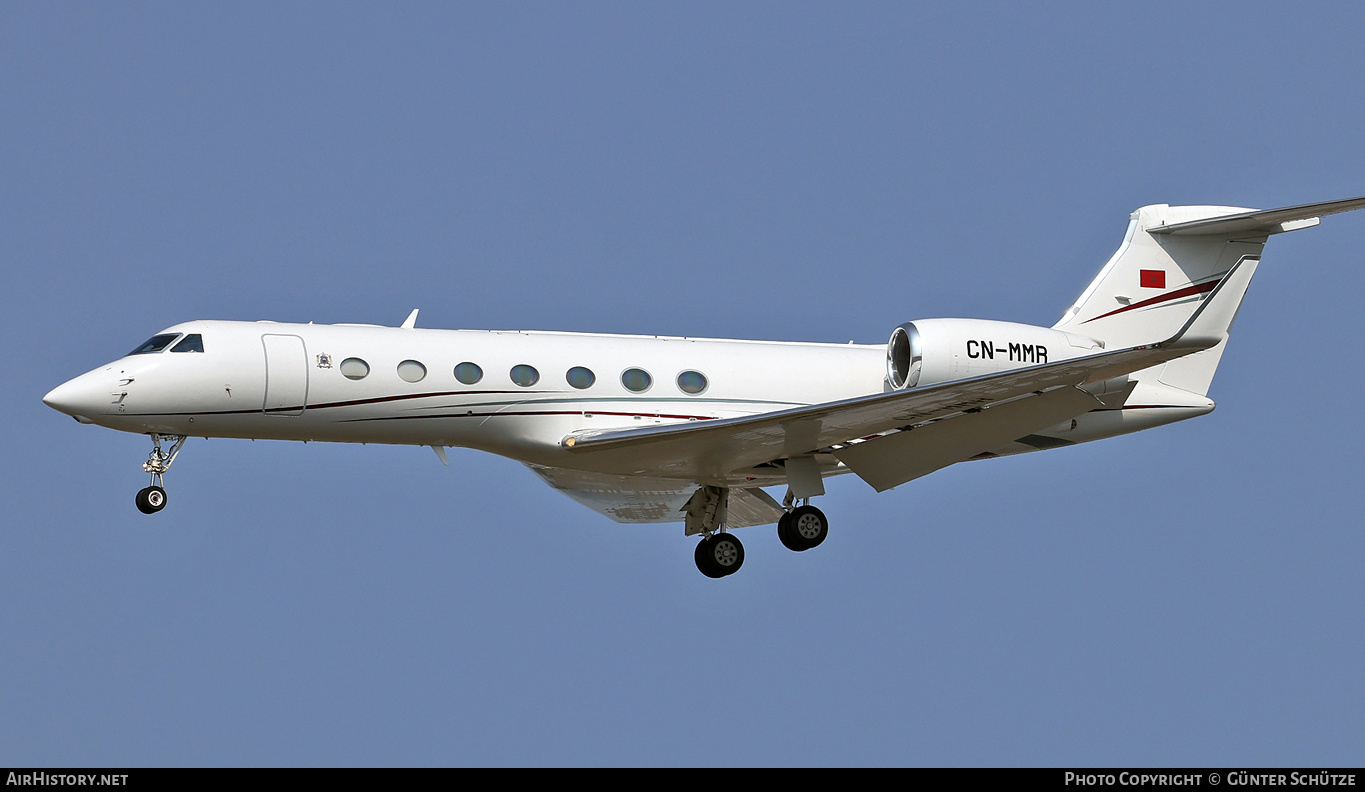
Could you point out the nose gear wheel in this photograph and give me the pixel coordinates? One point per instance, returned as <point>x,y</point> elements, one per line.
<point>151,500</point>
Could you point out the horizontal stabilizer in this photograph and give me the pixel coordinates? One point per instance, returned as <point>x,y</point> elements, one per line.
<point>1261,223</point>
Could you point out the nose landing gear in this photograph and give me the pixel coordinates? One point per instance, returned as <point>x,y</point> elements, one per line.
<point>151,500</point>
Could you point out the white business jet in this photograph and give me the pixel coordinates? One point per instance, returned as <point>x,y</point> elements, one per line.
<point>648,429</point>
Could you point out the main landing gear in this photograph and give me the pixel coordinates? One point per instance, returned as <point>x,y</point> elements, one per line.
<point>719,553</point>
<point>151,500</point>
<point>802,528</point>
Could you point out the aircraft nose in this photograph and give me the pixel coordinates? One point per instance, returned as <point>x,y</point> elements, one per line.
<point>81,397</point>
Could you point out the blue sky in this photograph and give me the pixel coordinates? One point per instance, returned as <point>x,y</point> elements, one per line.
<point>788,171</point>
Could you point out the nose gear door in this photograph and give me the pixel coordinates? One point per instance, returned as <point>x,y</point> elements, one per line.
<point>286,375</point>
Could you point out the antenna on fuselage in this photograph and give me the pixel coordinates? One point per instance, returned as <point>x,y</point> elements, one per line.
<point>411,321</point>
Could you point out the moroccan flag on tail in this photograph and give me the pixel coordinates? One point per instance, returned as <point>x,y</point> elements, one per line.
<point>1153,279</point>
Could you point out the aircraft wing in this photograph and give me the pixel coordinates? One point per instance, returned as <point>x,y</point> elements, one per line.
<point>867,433</point>
<point>711,450</point>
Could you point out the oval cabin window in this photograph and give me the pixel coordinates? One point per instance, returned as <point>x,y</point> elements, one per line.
<point>636,380</point>
<point>468,373</point>
<point>354,368</point>
<point>580,377</point>
<point>692,382</point>
<point>412,371</point>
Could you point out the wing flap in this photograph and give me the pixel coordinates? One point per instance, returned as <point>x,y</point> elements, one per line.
<point>894,459</point>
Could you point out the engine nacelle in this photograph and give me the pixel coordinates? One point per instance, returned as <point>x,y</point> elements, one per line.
<point>929,351</point>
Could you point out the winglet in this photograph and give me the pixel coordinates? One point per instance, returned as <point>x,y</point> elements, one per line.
<point>411,321</point>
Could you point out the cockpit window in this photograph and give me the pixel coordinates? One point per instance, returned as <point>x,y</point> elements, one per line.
<point>155,344</point>
<point>190,343</point>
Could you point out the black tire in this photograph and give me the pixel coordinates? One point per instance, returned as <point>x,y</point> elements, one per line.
<point>702,556</point>
<point>719,555</point>
<point>151,500</point>
<point>808,527</point>
<point>784,534</point>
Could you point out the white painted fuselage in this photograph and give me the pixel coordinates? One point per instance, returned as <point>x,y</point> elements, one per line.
<point>266,380</point>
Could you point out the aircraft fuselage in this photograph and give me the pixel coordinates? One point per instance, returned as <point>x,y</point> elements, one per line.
<point>650,429</point>
<point>265,380</point>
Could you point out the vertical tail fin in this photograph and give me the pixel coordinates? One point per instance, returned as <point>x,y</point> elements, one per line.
<point>1171,260</point>
<point>1154,283</point>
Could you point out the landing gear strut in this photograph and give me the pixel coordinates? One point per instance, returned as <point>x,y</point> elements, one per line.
<point>151,500</point>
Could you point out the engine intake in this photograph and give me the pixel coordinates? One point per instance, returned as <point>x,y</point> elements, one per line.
<point>930,351</point>
<point>904,357</point>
